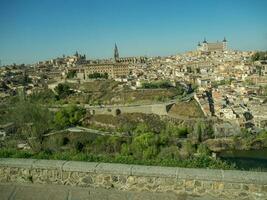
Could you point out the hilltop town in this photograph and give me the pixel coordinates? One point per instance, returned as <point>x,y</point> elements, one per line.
<point>229,84</point>
<point>204,101</point>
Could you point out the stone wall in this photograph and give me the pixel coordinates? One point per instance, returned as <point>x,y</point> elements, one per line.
<point>158,109</point>
<point>217,183</point>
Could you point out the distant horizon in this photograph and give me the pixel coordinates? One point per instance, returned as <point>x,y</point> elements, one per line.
<point>33,31</point>
<point>99,58</point>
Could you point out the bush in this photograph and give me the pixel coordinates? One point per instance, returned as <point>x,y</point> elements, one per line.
<point>71,74</point>
<point>98,75</point>
<point>259,56</point>
<point>69,116</point>
<point>171,152</point>
<point>187,150</point>
<point>63,90</point>
<point>144,146</point>
<point>43,96</point>
<point>31,122</point>
<point>78,146</point>
<point>65,141</point>
<point>203,150</point>
<point>155,85</point>
<point>172,130</point>
<point>196,162</point>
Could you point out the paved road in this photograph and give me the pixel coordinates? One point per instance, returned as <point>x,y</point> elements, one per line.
<point>10,191</point>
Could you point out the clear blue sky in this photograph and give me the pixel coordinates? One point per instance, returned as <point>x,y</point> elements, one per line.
<point>32,30</point>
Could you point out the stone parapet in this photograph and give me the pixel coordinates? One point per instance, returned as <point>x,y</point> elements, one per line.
<point>225,184</point>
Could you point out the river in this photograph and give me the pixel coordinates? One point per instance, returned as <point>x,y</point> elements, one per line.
<point>247,159</point>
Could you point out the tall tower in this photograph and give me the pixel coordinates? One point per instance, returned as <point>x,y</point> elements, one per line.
<point>116,53</point>
<point>205,45</point>
<point>224,44</point>
<point>199,46</point>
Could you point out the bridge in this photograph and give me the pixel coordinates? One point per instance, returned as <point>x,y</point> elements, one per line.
<point>158,109</point>
<point>153,108</point>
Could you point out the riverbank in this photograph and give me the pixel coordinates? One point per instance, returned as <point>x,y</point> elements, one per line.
<point>247,159</point>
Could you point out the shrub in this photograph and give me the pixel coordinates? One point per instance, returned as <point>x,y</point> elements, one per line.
<point>71,74</point>
<point>97,75</point>
<point>42,96</point>
<point>171,152</point>
<point>203,150</point>
<point>144,145</point>
<point>69,116</point>
<point>78,146</point>
<point>159,84</point>
<point>31,121</point>
<point>63,90</point>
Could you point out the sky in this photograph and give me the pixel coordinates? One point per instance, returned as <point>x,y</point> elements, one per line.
<point>34,30</point>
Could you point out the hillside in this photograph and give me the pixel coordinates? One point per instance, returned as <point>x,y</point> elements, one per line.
<point>189,109</point>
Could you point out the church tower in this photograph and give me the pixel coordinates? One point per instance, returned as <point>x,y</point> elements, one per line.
<point>224,44</point>
<point>116,53</point>
<point>199,46</point>
<point>205,45</point>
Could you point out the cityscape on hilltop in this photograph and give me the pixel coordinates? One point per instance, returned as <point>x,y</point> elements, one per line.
<point>94,124</point>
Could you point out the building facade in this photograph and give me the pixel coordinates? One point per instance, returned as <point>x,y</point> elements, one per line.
<point>114,70</point>
<point>212,46</point>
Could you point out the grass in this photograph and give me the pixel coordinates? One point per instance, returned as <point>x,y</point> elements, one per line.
<point>196,162</point>
<point>186,109</point>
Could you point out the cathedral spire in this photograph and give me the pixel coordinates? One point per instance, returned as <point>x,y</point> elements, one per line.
<point>116,53</point>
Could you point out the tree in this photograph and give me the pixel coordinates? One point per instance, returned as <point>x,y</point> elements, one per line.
<point>97,75</point>
<point>144,146</point>
<point>43,96</point>
<point>259,56</point>
<point>71,74</point>
<point>169,152</point>
<point>63,90</point>
<point>141,128</point>
<point>32,121</point>
<point>69,116</point>
<point>203,150</point>
<point>158,84</point>
<point>175,131</point>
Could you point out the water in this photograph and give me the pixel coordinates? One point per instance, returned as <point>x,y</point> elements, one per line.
<point>247,159</point>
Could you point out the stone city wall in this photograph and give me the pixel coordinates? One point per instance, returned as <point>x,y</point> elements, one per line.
<point>158,109</point>
<point>224,184</point>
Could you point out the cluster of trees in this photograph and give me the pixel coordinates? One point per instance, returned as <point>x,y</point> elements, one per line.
<point>264,90</point>
<point>46,96</point>
<point>63,90</point>
<point>168,145</point>
<point>145,144</point>
<point>69,116</point>
<point>71,74</point>
<point>158,84</point>
<point>98,76</point>
<point>21,79</point>
<point>259,56</point>
<point>222,82</point>
<point>33,120</point>
<point>43,96</point>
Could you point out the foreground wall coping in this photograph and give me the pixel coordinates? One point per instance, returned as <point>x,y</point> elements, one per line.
<point>234,176</point>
